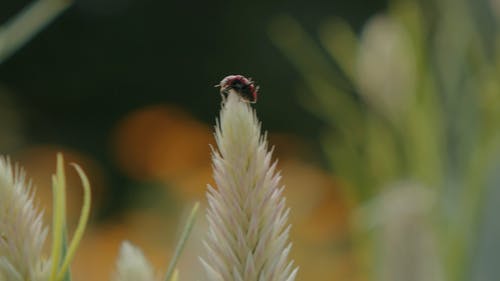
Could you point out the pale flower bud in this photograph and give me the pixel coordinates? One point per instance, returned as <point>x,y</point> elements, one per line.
<point>132,265</point>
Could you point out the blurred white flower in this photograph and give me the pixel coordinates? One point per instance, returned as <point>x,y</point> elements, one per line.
<point>386,66</point>
<point>248,232</point>
<point>22,233</point>
<point>132,265</point>
<point>407,242</point>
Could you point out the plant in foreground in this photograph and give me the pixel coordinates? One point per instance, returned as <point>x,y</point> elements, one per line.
<point>132,265</point>
<point>22,233</point>
<point>248,232</point>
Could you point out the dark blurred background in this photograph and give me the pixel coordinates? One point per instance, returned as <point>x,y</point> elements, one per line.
<point>101,60</point>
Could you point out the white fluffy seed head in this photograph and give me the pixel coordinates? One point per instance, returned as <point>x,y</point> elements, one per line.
<point>22,233</point>
<point>132,265</point>
<point>247,238</point>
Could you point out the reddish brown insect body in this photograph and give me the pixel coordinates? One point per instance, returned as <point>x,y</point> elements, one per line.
<point>241,85</point>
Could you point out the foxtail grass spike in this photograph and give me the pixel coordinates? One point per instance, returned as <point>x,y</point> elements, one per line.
<point>247,237</point>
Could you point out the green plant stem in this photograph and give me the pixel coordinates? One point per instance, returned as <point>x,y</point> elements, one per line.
<point>180,246</point>
<point>26,24</point>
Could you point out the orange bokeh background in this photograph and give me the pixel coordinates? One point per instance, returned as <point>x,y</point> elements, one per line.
<point>166,145</point>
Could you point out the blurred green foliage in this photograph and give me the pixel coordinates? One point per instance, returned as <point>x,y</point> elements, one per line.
<point>415,96</point>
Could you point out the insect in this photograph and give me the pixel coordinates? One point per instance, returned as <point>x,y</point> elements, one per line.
<point>240,85</point>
